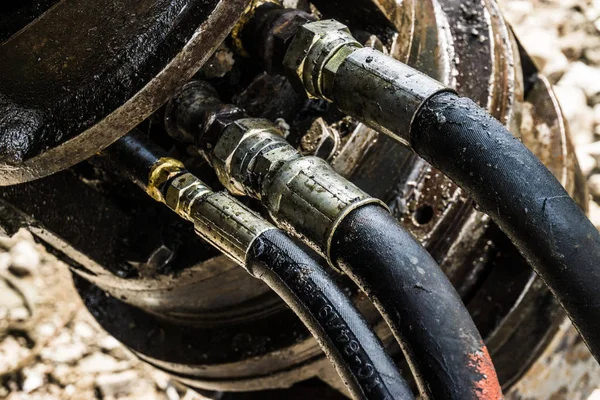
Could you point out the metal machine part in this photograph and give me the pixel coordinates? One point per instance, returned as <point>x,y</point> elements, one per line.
<point>220,219</point>
<point>66,94</point>
<point>251,157</point>
<point>323,53</point>
<point>194,313</point>
<point>270,255</point>
<point>308,199</point>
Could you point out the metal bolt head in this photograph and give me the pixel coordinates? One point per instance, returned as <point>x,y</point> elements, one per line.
<point>283,32</point>
<point>299,49</point>
<point>183,191</point>
<point>320,140</point>
<point>228,147</point>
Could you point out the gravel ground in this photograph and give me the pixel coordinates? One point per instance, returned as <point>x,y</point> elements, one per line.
<point>50,348</point>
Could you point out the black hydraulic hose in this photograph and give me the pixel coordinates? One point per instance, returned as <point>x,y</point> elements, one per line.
<point>326,310</point>
<point>419,303</point>
<point>361,238</point>
<point>346,338</point>
<point>520,194</point>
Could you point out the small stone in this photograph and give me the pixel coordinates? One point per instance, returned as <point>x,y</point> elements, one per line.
<point>109,343</point>
<point>587,163</point>
<point>70,390</point>
<point>556,67</point>
<point>114,385</point>
<point>593,149</point>
<point>62,374</point>
<point>84,330</point>
<point>46,329</point>
<point>516,11</point>
<point>172,393</point>
<point>583,77</point>
<point>18,314</point>
<point>592,55</point>
<point>34,378</point>
<point>542,46</point>
<point>595,395</point>
<point>161,380</point>
<point>572,45</point>
<point>11,352</point>
<point>64,353</point>
<point>25,258</point>
<point>100,362</point>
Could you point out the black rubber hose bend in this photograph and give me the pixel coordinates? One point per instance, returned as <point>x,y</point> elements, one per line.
<point>512,186</point>
<point>419,303</point>
<point>346,338</point>
<point>306,197</point>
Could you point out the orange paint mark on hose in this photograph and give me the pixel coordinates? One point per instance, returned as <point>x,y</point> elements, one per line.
<point>487,387</point>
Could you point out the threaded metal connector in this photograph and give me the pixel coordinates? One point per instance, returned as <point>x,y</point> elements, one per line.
<point>217,217</point>
<point>311,48</point>
<point>364,83</point>
<point>303,194</point>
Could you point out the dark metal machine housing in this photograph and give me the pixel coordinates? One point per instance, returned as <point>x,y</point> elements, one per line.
<point>75,75</point>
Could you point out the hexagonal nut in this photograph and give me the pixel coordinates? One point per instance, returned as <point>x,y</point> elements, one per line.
<point>227,144</point>
<point>232,144</point>
<point>271,160</point>
<point>182,192</point>
<point>283,31</point>
<point>301,45</point>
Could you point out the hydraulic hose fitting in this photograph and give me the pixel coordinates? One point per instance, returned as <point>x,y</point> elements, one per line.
<point>469,146</point>
<point>160,173</point>
<point>363,82</point>
<point>196,106</point>
<point>268,33</point>
<point>248,144</point>
<point>359,237</point>
<point>270,255</point>
<point>304,194</point>
<point>249,15</point>
<point>217,217</point>
<point>251,157</point>
<point>313,47</point>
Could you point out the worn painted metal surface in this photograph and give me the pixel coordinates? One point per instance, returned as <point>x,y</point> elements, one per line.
<point>84,73</point>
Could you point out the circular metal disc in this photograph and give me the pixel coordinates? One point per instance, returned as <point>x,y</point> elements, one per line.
<point>85,72</point>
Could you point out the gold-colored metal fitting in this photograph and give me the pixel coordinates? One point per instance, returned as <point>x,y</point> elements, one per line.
<point>218,218</point>
<point>236,33</point>
<point>164,169</point>
<point>312,48</point>
<point>183,191</point>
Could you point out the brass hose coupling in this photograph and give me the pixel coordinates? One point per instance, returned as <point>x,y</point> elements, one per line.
<point>217,217</point>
